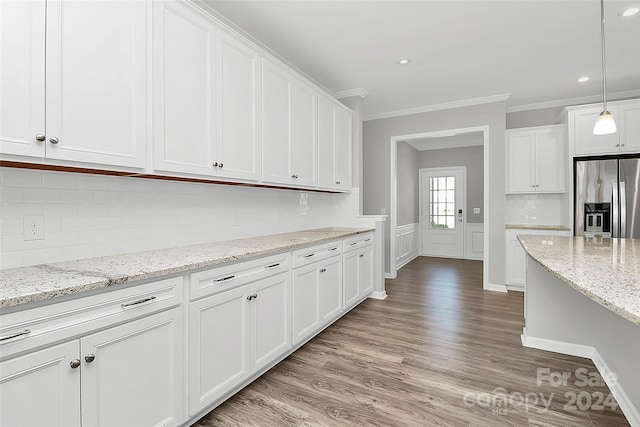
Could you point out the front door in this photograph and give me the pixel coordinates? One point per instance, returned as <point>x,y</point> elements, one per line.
<point>442,195</point>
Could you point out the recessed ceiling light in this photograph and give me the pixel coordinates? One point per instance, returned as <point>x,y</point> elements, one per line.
<point>630,12</point>
<point>583,79</point>
<point>404,60</point>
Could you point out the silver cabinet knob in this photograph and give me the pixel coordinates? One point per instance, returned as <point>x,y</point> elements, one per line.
<point>220,165</point>
<point>362,255</point>
<point>215,165</point>
<point>54,140</point>
<point>90,358</point>
<point>621,145</point>
<point>617,145</point>
<point>75,363</point>
<point>252,296</point>
<point>40,137</point>
<point>338,182</point>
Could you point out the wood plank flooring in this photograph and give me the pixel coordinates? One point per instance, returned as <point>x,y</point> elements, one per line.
<point>439,351</point>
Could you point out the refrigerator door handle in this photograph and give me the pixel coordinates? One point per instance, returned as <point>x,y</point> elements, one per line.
<point>623,210</point>
<point>615,226</point>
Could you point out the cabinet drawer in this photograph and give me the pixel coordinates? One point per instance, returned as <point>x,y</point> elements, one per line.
<point>40,326</point>
<point>358,241</point>
<point>316,253</point>
<point>220,279</point>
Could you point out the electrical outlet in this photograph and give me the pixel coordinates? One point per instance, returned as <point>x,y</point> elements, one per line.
<point>476,210</point>
<point>33,227</point>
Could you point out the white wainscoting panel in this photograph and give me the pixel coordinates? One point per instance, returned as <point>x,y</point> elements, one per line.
<point>407,244</point>
<point>474,241</point>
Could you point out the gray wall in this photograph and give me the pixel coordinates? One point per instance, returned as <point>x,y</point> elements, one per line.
<point>539,117</point>
<point>472,158</point>
<point>376,166</point>
<point>408,184</point>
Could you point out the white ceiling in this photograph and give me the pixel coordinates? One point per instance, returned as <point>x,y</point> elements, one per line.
<point>460,50</point>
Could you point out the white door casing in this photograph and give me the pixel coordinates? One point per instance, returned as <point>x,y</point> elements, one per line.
<point>442,211</point>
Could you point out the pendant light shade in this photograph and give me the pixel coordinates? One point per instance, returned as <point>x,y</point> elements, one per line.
<point>605,124</point>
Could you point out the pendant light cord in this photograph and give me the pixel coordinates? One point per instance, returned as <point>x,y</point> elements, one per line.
<point>604,71</point>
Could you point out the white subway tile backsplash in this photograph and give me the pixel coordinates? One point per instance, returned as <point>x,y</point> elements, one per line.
<point>41,195</point>
<point>21,178</point>
<point>94,215</point>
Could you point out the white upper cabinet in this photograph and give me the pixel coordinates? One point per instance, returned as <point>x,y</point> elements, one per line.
<point>289,128</point>
<point>536,160</point>
<point>184,96</point>
<point>334,145</point>
<point>95,76</point>
<point>22,78</point>
<point>238,109</point>
<point>626,140</point>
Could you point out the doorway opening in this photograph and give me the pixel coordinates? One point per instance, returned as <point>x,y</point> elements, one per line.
<point>444,139</point>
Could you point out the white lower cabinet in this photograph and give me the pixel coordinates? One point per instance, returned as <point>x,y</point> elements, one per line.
<point>358,270</point>
<point>127,375</point>
<point>41,389</point>
<point>516,257</point>
<point>317,296</point>
<point>233,334</point>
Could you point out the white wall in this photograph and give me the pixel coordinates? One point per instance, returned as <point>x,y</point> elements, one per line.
<point>92,215</point>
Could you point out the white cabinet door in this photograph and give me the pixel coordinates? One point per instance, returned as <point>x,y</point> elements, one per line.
<point>303,133</point>
<point>238,87</point>
<point>334,145</point>
<point>41,388</point>
<point>218,346</point>
<point>184,90</point>
<point>135,377</point>
<point>330,289</point>
<point>365,271</point>
<point>550,159</point>
<point>271,324</point>
<point>276,125</point>
<point>306,302</point>
<point>22,77</point>
<point>326,142</point>
<point>629,127</point>
<point>350,283</point>
<point>520,161</point>
<point>516,263</point>
<point>344,129</point>
<point>96,81</point>
<point>586,143</point>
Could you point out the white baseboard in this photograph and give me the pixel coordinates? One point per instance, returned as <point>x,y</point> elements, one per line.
<point>516,288</point>
<point>390,276</point>
<point>378,295</point>
<point>495,288</point>
<point>626,405</point>
<point>407,259</point>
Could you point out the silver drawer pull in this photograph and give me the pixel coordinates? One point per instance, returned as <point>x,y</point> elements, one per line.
<point>224,279</point>
<point>19,334</point>
<point>271,266</point>
<point>354,243</point>
<point>309,256</point>
<point>361,255</point>
<point>141,301</point>
<point>333,249</point>
<point>367,240</point>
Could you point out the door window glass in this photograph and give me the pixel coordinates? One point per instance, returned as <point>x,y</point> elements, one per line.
<point>442,192</point>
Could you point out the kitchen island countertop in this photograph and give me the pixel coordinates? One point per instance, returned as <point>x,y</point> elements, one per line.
<point>605,270</point>
<point>45,281</point>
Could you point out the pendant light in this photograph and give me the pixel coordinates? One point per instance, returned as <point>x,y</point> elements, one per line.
<point>605,124</point>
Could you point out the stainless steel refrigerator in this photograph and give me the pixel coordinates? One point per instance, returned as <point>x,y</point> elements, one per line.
<point>607,196</point>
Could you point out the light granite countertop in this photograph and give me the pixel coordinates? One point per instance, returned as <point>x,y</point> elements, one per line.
<point>536,227</point>
<point>41,282</point>
<point>605,270</point>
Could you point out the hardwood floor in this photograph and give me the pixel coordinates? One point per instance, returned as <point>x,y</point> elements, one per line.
<point>439,351</point>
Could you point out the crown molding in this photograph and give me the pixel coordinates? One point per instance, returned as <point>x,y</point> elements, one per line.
<point>615,96</point>
<point>351,92</point>
<point>437,107</point>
